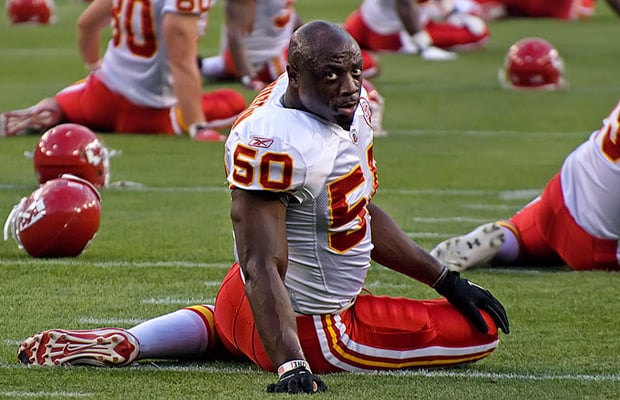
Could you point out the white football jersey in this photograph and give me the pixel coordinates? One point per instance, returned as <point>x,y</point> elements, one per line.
<point>590,179</point>
<point>273,26</point>
<point>381,16</point>
<point>135,63</point>
<point>330,175</point>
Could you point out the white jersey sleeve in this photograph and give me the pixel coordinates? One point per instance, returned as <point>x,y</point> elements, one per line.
<point>330,176</point>
<point>135,63</point>
<point>590,178</point>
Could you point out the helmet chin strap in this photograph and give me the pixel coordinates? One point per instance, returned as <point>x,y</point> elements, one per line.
<point>9,224</point>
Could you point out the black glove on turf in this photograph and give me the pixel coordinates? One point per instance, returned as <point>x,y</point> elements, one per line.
<point>298,380</point>
<point>469,297</point>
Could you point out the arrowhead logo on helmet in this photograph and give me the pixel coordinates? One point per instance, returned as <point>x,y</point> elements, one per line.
<point>59,219</point>
<point>72,149</point>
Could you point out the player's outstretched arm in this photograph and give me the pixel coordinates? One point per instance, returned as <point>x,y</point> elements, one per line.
<point>240,17</point>
<point>393,249</point>
<point>615,6</point>
<point>259,224</point>
<point>88,30</point>
<point>180,33</point>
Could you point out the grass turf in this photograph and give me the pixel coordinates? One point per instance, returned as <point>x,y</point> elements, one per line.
<point>461,151</point>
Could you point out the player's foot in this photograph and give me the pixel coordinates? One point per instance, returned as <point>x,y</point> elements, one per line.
<point>473,249</point>
<point>20,122</point>
<point>209,135</point>
<point>98,347</point>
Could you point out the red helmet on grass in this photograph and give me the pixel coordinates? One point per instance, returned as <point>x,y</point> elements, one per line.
<point>30,11</point>
<point>59,219</point>
<point>72,149</point>
<point>532,63</point>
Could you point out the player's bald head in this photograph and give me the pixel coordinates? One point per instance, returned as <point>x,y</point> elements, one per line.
<point>317,41</point>
<point>324,72</point>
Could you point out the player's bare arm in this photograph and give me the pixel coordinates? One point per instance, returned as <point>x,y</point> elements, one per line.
<point>239,24</point>
<point>181,37</point>
<point>409,15</point>
<point>89,25</point>
<point>615,6</point>
<point>259,225</point>
<point>394,250</point>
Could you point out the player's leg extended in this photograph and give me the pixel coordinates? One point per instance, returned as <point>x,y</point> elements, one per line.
<point>473,249</point>
<point>185,333</point>
<point>550,234</point>
<point>97,347</point>
<point>35,119</point>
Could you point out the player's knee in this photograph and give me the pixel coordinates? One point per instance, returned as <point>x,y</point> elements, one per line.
<point>222,104</point>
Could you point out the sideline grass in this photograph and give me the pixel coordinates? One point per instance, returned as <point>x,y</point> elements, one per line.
<point>460,151</point>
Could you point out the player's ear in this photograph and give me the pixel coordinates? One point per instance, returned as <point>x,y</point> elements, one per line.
<point>293,75</point>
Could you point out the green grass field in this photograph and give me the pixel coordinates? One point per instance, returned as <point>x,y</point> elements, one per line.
<point>461,151</point>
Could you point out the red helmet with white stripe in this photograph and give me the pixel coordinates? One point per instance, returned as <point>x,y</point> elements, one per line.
<point>59,219</point>
<point>30,11</point>
<point>532,63</point>
<point>71,149</point>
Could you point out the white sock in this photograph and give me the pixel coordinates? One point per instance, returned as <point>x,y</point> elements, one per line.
<point>509,250</point>
<point>213,67</point>
<point>181,333</point>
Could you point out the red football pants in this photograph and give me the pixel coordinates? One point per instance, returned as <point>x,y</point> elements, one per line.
<point>376,333</point>
<point>564,9</point>
<point>443,35</point>
<point>89,102</point>
<point>548,231</point>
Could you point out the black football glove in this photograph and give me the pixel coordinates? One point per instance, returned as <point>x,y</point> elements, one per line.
<point>469,298</point>
<point>298,380</point>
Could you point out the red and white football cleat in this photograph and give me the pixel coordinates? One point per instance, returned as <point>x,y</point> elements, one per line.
<point>33,119</point>
<point>209,135</point>
<point>111,347</point>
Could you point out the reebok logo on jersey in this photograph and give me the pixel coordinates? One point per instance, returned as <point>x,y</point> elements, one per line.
<point>261,142</point>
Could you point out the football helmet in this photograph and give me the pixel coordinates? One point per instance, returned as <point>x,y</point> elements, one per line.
<point>59,219</point>
<point>31,11</point>
<point>532,63</point>
<point>72,149</point>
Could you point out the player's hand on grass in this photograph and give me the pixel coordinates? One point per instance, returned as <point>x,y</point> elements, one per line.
<point>253,83</point>
<point>469,297</point>
<point>298,380</point>
<point>421,43</point>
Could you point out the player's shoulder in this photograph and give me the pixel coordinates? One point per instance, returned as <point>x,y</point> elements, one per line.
<point>268,118</point>
<point>277,129</point>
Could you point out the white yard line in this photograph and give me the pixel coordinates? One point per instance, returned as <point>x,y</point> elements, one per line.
<point>117,263</point>
<point>42,394</point>
<point>423,373</point>
<point>502,376</point>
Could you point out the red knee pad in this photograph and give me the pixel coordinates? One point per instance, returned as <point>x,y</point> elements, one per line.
<point>222,106</point>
